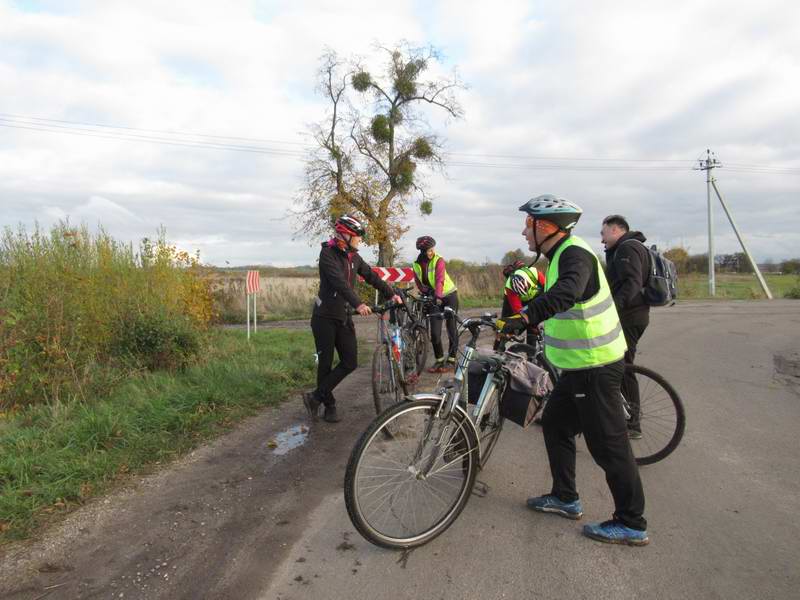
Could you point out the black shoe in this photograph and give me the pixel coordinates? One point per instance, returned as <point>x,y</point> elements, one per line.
<point>312,404</point>
<point>330,414</point>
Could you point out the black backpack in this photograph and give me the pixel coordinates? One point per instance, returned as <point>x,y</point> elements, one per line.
<point>661,287</point>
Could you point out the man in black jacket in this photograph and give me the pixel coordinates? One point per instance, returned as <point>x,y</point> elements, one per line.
<point>331,322</point>
<point>627,268</point>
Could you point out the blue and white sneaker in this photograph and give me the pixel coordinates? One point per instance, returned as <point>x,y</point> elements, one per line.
<point>551,504</point>
<point>614,532</point>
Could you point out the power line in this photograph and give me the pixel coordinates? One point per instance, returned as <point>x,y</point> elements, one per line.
<point>8,116</point>
<point>300,149</point>
<point>564,167</point>
<point>154,140</point>
<point>523,157</point>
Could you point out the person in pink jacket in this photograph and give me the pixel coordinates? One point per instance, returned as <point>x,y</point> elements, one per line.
<point>430,275</point>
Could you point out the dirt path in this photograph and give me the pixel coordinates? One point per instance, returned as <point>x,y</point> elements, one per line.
<point>240,519</point>
<point>212,525</point>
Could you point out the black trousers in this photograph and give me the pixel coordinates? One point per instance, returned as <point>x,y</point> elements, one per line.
<point>330,334</point>
<point>633,330</point>
<point>588,401</point>
<point>450,300</point>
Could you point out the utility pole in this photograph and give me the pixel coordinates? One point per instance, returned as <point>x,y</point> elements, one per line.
<point>707,165</point>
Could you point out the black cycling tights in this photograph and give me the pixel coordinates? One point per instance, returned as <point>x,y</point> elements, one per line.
<point>330,334</point>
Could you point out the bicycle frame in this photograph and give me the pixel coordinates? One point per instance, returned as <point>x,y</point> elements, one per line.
<point>420,312</point>
<point>450,400</point>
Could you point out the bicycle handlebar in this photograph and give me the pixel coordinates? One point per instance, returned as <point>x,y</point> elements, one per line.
<point>388,305</point>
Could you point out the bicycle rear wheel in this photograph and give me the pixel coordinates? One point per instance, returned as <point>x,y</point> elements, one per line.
<point>661,415</point>
<point>404,489</point>
<point>386,389</point>
<point>490,426</point>
<point>417,344</point>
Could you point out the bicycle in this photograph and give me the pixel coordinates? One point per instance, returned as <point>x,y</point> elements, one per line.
<point>661,415</point>
<point>399,356</point>
<point>427,450</point>
<point>422,309</point>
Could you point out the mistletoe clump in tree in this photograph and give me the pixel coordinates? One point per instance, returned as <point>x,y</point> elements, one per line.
<point>373,140</point>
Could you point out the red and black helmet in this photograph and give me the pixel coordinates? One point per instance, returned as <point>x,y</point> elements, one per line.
<point>348,225</point>
<point>425,242</point>
<point>511,267</point>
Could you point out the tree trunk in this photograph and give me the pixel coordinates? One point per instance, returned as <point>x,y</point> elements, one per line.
<point>385,254</point>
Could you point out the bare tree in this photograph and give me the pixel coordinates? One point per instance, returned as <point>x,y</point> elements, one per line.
<point>368,147</point>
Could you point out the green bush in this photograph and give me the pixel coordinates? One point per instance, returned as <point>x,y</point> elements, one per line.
<point>156,341</point>
<point>65,298</point>
<point>793,294</point>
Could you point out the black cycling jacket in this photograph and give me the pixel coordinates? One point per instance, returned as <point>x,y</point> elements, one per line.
<point>338,270</point>
<point>628,267</point>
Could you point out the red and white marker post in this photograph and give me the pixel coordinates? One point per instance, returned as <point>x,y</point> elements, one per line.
<point>251,289</point>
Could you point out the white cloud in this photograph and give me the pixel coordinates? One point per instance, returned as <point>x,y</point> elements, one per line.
<point>576,79</point>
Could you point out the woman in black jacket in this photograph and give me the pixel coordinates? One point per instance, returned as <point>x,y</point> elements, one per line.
<point>331,320</point>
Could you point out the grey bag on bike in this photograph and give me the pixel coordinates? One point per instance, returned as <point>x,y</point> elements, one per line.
<point>528,383</point>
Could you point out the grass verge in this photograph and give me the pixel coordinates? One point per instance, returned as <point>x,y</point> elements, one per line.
<point>53,457</point>
<point>733,286</point>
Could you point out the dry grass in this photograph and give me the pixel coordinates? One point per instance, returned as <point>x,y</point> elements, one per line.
<point>292,297</point>
<point>279,298</point>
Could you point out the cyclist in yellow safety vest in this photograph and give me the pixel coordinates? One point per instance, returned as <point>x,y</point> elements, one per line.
<point>430,275</point>
<point>522,284</point>
<point>584,339</point>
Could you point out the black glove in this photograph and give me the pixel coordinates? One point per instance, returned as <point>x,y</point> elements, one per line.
<point>514,326</point>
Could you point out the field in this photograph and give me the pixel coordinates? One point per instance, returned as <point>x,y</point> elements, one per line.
<point>292,297</point>
<point>732,286</point>
<point>280,297</point>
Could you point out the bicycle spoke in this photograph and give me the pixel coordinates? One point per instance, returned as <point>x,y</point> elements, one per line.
<point>393,494</point>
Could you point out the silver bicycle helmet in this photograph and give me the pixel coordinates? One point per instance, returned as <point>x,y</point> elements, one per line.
<point>548,207</point>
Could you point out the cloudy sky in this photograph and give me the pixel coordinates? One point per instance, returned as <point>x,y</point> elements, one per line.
<point>605,103</point>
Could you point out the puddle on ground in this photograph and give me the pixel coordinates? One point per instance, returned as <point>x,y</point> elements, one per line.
<point>288,440</point>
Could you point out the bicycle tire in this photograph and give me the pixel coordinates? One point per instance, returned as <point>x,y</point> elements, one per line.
<point>379,372</point>
<point>419,340</point>
<point>660,405</point>
<point>352,476</point>
<point>489,437</point>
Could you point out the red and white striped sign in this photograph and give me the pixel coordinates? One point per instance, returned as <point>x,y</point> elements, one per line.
<point>253,282</point>
<point>394,274</point>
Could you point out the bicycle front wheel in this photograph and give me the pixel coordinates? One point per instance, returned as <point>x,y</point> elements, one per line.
<point>661,416</point>
<point>404,489</point>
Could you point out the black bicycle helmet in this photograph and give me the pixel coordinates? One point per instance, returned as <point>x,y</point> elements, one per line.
<point>548,207</point>
<point>425,242</point>
<point>511,267</point>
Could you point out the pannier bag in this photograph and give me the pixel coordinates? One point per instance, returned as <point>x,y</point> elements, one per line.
<point>527,384</point>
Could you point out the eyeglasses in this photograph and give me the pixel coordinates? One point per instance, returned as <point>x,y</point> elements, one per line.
<point>530,221</point>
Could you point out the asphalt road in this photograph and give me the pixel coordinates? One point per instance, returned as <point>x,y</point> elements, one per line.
<point>243,519</point>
